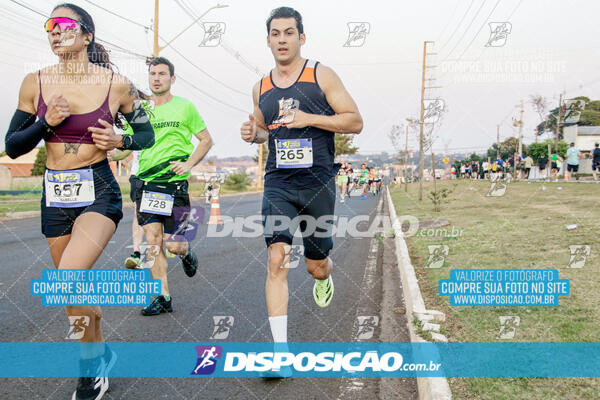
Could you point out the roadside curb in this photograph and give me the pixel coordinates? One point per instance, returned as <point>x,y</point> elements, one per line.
<point>240,193</point>
<point>20,215</point>
<point>32,214</point>
<point>429,388</point>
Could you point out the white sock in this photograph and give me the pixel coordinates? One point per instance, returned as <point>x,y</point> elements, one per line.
<point>279,328</point>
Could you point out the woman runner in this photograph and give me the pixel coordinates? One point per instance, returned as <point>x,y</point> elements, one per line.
<point>75,102</point>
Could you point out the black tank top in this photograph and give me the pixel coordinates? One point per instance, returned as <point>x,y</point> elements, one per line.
<point>305,95</point>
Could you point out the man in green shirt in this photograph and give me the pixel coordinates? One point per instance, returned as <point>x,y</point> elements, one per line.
<point>555,160</point>
<point>363,179</point>
<point>161,190</point>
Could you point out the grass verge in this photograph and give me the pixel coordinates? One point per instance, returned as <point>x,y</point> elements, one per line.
<point>524,228</point>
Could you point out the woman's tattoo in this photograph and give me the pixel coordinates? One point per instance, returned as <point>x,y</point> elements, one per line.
<point>72,148</point>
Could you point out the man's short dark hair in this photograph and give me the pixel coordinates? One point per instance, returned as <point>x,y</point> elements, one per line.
<point>285,12</point>
<point>162,60</point>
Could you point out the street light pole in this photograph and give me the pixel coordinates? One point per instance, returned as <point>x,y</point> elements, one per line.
<point>157,48</point>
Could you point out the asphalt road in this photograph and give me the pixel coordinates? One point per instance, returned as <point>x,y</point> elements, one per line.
<point>229,282</point>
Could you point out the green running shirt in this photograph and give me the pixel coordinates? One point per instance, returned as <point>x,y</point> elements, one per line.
<point>174,125</point>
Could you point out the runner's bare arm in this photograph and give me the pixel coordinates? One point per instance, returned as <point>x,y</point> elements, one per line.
<point>255,130</point>
<point>202,149</point>
<point>347,118</point>
<point>118,155</point>
<point>27,94</point>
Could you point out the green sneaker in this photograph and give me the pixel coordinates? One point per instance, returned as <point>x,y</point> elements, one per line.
<point>133,262</point>
<point>323,291</point>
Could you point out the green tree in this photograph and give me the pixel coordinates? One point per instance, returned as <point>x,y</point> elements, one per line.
<point>237,181</point>
<point>265,154</point>
<point>590,116</point>
<point>343,144</point>
<point>537,149</point>
<point>40,162</point>
<point>507,148</point>
<point>476,157</point>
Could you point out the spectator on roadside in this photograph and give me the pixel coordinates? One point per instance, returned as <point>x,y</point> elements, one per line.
<point>555,165</point>
<point>484,168</point>
<point>499,168</point>
<point>463,169</point>
<point>595,160</point>
<point>475,170</point>
<point>527,164</point>
<point>573,156</point>
<point>509,167</point>
<point>542,163</point>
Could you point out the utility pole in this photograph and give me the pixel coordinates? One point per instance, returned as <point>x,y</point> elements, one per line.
<point>421,137</point>
<point>497,141</point>
<point>433,173</point>
<point>260,163</point>
<point>406,162</point>
<point>157,49</point>
<point>558,122</point>
<point>521,132</point>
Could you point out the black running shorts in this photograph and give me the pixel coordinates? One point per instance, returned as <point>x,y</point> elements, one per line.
<point>312,209</point>
<point>181,204</point>
<point>58,221</point>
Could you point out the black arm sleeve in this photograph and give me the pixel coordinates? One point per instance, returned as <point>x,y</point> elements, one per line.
<point>24,133</point>
<point>143,133</point>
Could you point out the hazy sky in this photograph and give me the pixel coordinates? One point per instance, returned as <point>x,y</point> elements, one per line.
<point>551,47</point>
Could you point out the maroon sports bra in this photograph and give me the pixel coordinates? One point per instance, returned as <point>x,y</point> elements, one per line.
<point>74,129</point>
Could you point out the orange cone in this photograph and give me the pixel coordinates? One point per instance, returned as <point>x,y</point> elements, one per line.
<point>215,212</point>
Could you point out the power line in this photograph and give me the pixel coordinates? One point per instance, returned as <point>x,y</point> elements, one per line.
<point>457,26</point>
<point>189,10</point>
<point>173,48</point>
<point>514,9</point>
<point>212,97</point>
<point>98,39</point>
<point>122,49</point>
<point>118,15</point>
<point>206,73</point>
<point>484,48</point>
<point>30,9</point>
<point>466,30</point>
<point>449,20</point>
<point>480,28</point>
<point>181,55</point>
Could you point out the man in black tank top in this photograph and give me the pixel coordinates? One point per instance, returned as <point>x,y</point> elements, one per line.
<point>298,109</point>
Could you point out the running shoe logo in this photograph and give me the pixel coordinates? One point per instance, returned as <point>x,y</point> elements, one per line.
<point>207,359</point>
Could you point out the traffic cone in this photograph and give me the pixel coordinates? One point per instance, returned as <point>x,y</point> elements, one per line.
<point>215,212</point>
